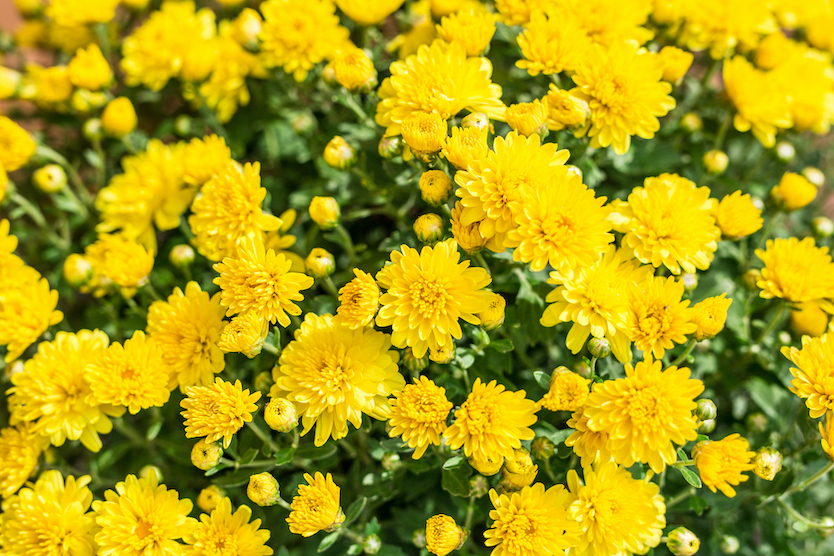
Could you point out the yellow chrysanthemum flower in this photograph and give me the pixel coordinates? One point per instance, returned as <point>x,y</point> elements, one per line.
<point>676,63</point>
<point>759,103</point>
<point>492,188</point>
<point>298,34</point>
<point>364,12</point>
<point>217,411</point>
<point>427,293</point>
<point>443,535</point>
<point>334,374</point>
<point>465,145</point>
<point>527,118</point>
<point>568,391</point>
<point>187,328</point>
<point>550,44</point>
<point>827,433</point>
<point>132,375</point>
<point>418,414</point>
<point>246,334</point>
<point>796,271</point>
<point>624,90</point>
<point>710,315</point>
<point>669,221</point>
<point>440,79</point>
<point>591,446</point>
<point>119,263</point>
<point>737,216</point>
<point>27,310</point>
<point>137,507</point>
<point>49,517</point>
<point>793,192</point>
<point>119,117</point>
<point>492,421</point>
<point>469,237</point>
<point>20,450</point>
<point>616,513</point>
<point>210,497</point>
<point>358,301</point>
<point>258,280</point>
<point>531,522</point>
<point>813,375</point>
<point>316,507</point>
<point>472,28</point>
<point>621,22</point>
<point>805,77</point>
<point>224,529</point>
<point>646,413</point>
<point>657,316</point>
<point>280,241</point>
<point>424,133</point>
<point>725,26</point>
<point>519,12</point>
<point>89,69</point>
<point>53,391</point>
<point>203,158</point>
<point>70,13</point>
<point>564,110</point>
<point>722,463</point>
<point>16,145</point>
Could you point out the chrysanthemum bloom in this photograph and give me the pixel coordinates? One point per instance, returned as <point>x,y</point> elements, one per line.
<point>204,158</point>
<point>531,522</point>
<point>564,110</point>
<point>793,192</point>
<point>469,237</point>
<point>465,145</point>
<point>280,241</point>
<point>205,455</point>
<point>827,433</point>
<point>806,78</point>
<point>53,392</point>
<point>721,463</point>
<point>228,209</point>
<point>759,103</point>
<point>723,27</point>
<point>491,189</point>
<point>737,216</point>
<point>298,34</point>
<point>358,301</point>
<point>334,374</point>
<point>710,315</point>
<point>813,375</point>
<point>624,91</point>
<point>73,13</point>
<point>796,271</point>
<point>141,517</point>
<point>552,44</point>
<point>527,118</point>
<point>245,334</point>
<point>519,470</point>
<point>258,280</point>
<point>424,133</point>
<point>280,415</point>
<point>26,312</point>
<point>224,529</point>
<point>263,489</point>
<point>13,271</point>
<point>132,375</point>
<point>590,446</point>
<point>472,28</point>
<point>418,414</point>
<point>493,316</point>
<point>316,507</point>
<point>440,79</point>
<point>676,63</point>
<point>20,449</point>
<point>568,391</point>
<point>369,13</point>
<point>119,117</point>
<point>218,411</point>
<point>320,263</point>
<point>49,517</point>
<point>657,317</point>
<point>646,413</point>
<point>435,186</point>
<point>118,263</point>
<point>616,513</point>
<point>210,497</point>
<point>669,221</point>
<point>89,69</point>
<point>518,12</point>
<point>767,463</point>
<point>355,71</point>
<point>16,146</point>
<point>809,319</point>
<point>492,421</point>
<point>443,535</point>
<point>427,293</point>
<point>486,466</point>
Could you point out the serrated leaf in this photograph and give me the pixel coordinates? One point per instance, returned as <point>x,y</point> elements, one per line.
<point>372,527</point>
<point>355,510</point>
<point>283,457</point>
<point>690,477</point>
<point>502,346</point>
<point>542,378</point>
<point>328,541</point>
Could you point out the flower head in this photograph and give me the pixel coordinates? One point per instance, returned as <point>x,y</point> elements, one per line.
<point>723,27</point>
<point>74,13</point>
<point>27,310</point>
<point>325,212</point>
<point>205,455</point>
<point>89,69</point>
<point>657,317</point>
<point>218,411</point>
<point>737,216</point>
<point>358,300</point>
<point>710,315</point>
<point>591,446</point>
<point>564,110</point>
<point>443,535</point>
<point>469,237</point>
<point>813,375</point>
<point>794,192</point>
<point>809,319</point>
<point>280,415</point>
<point>759,103</point>
<point>16,146</point>
<point>20,450</point>
<point>796,271</point>
<point>721,463</point>
<point>369,13</point>
<point>316,507</point>
<point>119,117</point>
<point>355,71</point>
<point>527,118</point>
<point>465,145</point>
<point>568,391</point>
<point>210,497</point>
<point>676,63</point>
<point>418,414</point>
<point>119,263</point>
<point>224,529</point>
<point>767,463</point>
<point>435,187</point>
<point>552,44</point>
<point>424,132</point>
<point>263,489</point>
<point>827,433</point>
<point>203,158</point>
<point>245,334</point>
<point>472,28</point>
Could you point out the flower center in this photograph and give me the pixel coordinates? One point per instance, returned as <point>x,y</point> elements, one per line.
<point>520,534</point>
<point>145,534</point>
<point>647,409</point>
<point>557,230</point>
<point>429,298</point>
<point>611,94</point>
<point>655,323</point>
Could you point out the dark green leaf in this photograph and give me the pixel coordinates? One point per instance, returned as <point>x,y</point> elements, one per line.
<point>312,452</point>
<point>283,457</point>
<point>456,481</point>
<point>542,378</point>
<point>698,505</point>
<point>690,476</point>
<point>372,528</point>
<point>249,456</point>
<point>503,346</point>
<point>328,541</point>
<point>355,510</point>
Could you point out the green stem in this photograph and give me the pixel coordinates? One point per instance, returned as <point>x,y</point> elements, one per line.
<point>773,322</point>
<point>722,133</point>
<point>135,308</point>
<point>347,243</point>
<point>330,287</point>
<point>271,348</point>
<point>33,211</point>
<point>352,535</point>
<point>593,368</point>
<point>104,39</point>
<point>101,176</point>
<point>482,262</point>
<point>263,435</point>
<point>684,463</point>
<point>685,353</point>
<point>349,101</point>
<point>296,438</point>
<point>809,481</point>
<point>256,463</point>
<point>799,517</point>
<point>680,497</point>
<point>152,291</point>
<point>470,514</point>
<point>763,239</point>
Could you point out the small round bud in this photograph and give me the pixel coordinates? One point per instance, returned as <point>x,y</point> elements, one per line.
<point>729,544</point>
<point>751,279</point>
<point>443,535</point>
<point>339,154</point>
<point>263,489</point>
<point>325,212</point>
<point>280,415</point>
<point>706,410</point>
<point>429,228</point>
<point>443,355</point>
<point>372,544</point>
<point>418,538</point>
<point>148,469</point>
<point>119,117</point>
<point>435,187</point>
<point>476,119</point>
<point>519,471</point>
<point>692,122</point>
<point>716,161</point>
<point>50,179</point>
<point>793,192</point>
<point>424,133</point>
<point>487,466</point>
<point>784,337</point>
<point>582,369</point>
<point>181,256</point>
<point>828,524</point>
<point>768,462</point>
<point>263,381</point>
<point>210,497</point>
<point>814,175</point>
<point>414,364</point>
<point>391,461</point>
<point>355,71</point>
<point>542,448</point>
<point>756,422</point>
<point>320,263</point>
<point>245,334</point>
<point>707,426</point>
<point>328,74</point>
<point>390,147</point>
<point>205,455</point>
<point>77,270</point>
<point>303,123</point>
<point>493,316</point>
<point>599,347</point>
<point>183,125</point>
<point>785,152</point>
<point>93,130</point>
<point>478,486</point>
<point>683,542</point>
<point>822,227</point>
<point>690,282</point>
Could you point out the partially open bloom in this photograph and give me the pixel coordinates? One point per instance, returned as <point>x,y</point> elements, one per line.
<point>369,13</point>
<point>469,237</point>
<point>218,411</point>
<point>591,446</point>
<point>245,334</point>
<point>809,319</point>
<point>26,312</point>
<point>568,391</point>
<point>519,470</point>
<point>737,216</point>
<point>16,145</point>
<point>224,528</point>
<point>465,145</point>
<point>472,28</point>
<point>418,414</point>
<point>89,69</point>
<point>443,535</point>
<point>280,415</point>
<point>20,451</point>
<point>564,110</point>
<point>204,158</point>
<point>527,118</point>
<point>759,103</point>
<point>316,507</point>
<point>210,497</point>
<point>355,71</point>
<point>435,187</point>
<point>119,264</point>
<point>813,375</point>
<point>119,117</point>
<point>710,315</point>
<point>552,44</point>
<point>70,13</point>
<point>658,317</point>
<point>424,133</point>
<point>205,455</point>
<point>767,463</point>
<point>796,271</point>
<point>721,463</point>
<point>263,489</point>
<point>676,63</point>
<point>493,316</point>
<point>793,192</point>
<point>358,300</point>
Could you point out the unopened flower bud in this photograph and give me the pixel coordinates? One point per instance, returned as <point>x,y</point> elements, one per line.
<point>181,256</point>
<point>418,538</point>
<point>582,369</point>
<point>93,130</point>
<point>391,461</point>
<point>77,270</point>
<point>707,426</point>
<point>476,119</point>
<point>443,355</point>
<point>573,170</point>
<point>414,364</point>
<point>768,462</point>
<point>822,227</point>
<point>683,542</point>
<point>320,263</point>
<point>528,118</point>
<point>210,497</point>
<point>692,122</point>
<point>756,422</point>
<point>784,337</point>
<point>690,282</point>
<point>785,152</point>
<point>246,27</point>
<point>355,71</point>
<point>303,123</point>
<point>325,212</point>
<point>814,175</point>
<point>729,544</point>
<point>148,469</point>
<point>716,161</point>
<point>751,279</point>
<point>429,228</point>
<point>493,316</point>
<point>280,415</point>
<point>245,334</point>
<point>183,125</point>
<point>435,187</point>
<point>478,486</point>
<point>424,133</point>
<point>205,455</point>
<point>390,147</point>
<point>542,448</point>
<point>488,466</point>
<point>50,179</point>
<point>339,154</point>
<point>599,347</point>
<point>443,535</point>
<point>372,544</point>
<point>119,117</point>
<point>706,410</point>
<point>263,489</point>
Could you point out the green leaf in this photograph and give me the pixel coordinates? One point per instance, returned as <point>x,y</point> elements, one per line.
<point>355,549</point>
<point>312,452</point>
<point>328,541</point>
<point>682,455</point>
<point>542,378</point>
<point>372,528</point>
<point>239,477</point>
<point>355,510</point>
<point>454,462</point>
<point>283,457</point>
<point>698,505</point>
<point>701,438</point>
<point>283,551</point>
<point>690,476</point>
<point>249,456</point>
<point>456,481</point>
<point>502,346</point>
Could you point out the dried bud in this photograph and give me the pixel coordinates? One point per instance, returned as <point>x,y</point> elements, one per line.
<point>706,410</point>
<point>339,154</point>
<point>683,542</point>
<point>206,455</point>
<point>263,489</point>
<point>320,263</point>
<point>50,179</point>
<point>280,415</point>
<point>210,497</point>
<point>429,228</point>
<point>716,162</point>
<point>768,462</point>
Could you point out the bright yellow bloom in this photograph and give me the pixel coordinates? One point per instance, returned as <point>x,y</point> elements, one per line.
<point>551,44</point>
<point>53,391</point>
<point>13,271</point>
<point>49,517</point>
<point>119,263</point>
<point>568,391</point>
<point>827,433</point>
<point>26,312</point>
<point>142,518</point>
<point>435,186</point>
<point>358,301</point>
<point>493,316</point>
<point>710,315</point>
<point>591,446</point>
<point>657,318</point>
<point>737,216</point>
<point>4,182</point>
<point>280,415</point>
<point>670,221</point>
<point>423,132</point>
<point>132,375</point>
<point>298,34</point>
<point>260,281</point>
<point>334,374</point>
<point>721,463</point>
<point>564,110</point>
<point>367,12</point>
<point>624,91</point>
<point>427,293</point>
<point>472,28</point>
<point>519,470</point>
<point>620,23</point>
<point>759,103</point>
<point>443,535</point>
<point>794,192</point>
<point>676,63</point>
<point>796,271</point>
<point>355,71</point>
<point>20,450</point>
<point>646,413</point>
<point>438,79</point>
<point>245,334</point>
<point>469,237</point>
<point>119,117</point>
<point>774,49</point>
<point>16,145</point>
<point>465,145</point>
<point>807,79</point>
<point>518,12</point>
<point>527,118</point>
<point>280,241</point>
<point>89,69</point>
<point>71,13</point>
<point>492,421</point>
<point>809,319</point>
<point>316,507</point>
<point>224,530</point>
<point>325,212</point>
<point>531,522</point>
<point>726,26</point>
<point>204,158</point>
<point>418,414</point>
<point>813,375</point>
<point>210,497</point>
<point>616,513</point>
<point>205,455</point>
<point>52,87</point>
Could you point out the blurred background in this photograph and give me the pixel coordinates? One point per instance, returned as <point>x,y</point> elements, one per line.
<point>9,18</point>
